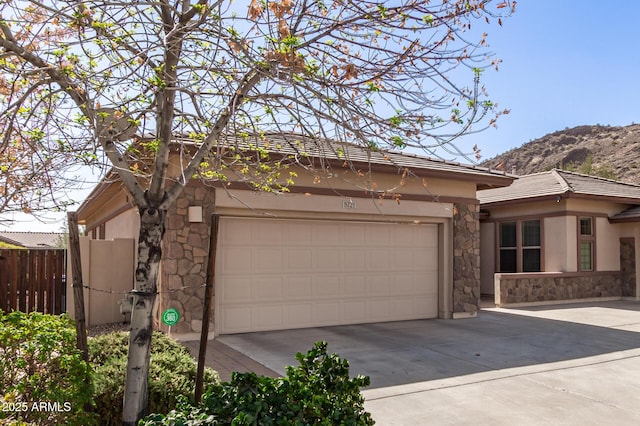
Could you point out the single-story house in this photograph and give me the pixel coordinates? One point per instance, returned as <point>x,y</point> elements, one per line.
<point>33,240</point>
<point>362,236</point>
<point>558,236</point>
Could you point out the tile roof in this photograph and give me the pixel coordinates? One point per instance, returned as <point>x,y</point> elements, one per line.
<point>632,214</point>
<point>32,240</point>
<point>325,149</point>
<point>561,182</point>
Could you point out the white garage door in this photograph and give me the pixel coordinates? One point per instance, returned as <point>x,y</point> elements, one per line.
<point>276,274</point>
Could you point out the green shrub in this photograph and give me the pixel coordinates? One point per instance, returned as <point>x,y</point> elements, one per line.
<point>172,373</point>
<point>317,392</point>
<point>43,378</point>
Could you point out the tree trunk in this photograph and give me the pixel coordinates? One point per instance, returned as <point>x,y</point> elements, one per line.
<point>144,297</point>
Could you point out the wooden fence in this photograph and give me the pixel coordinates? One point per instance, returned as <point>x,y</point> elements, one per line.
<point>33,280</point>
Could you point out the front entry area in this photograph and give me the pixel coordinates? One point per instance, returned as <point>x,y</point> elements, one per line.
<point>274,274</point>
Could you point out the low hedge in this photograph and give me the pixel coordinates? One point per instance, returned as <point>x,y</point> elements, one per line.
<point>172,373</point>
<point>316,392</point>
<point>43,378</point>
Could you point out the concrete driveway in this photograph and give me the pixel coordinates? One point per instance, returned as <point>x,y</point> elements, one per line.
<point>562,365</point>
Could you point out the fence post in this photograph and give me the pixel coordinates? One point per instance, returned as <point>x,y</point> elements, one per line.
<point>4,281</point>
<point>78,294</point>
<point>204,336</point>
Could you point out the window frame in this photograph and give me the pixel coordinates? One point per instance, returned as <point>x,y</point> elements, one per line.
<point>586,238</point>
<point>502,249</point>
<point>519,248</point>
<point>537,247</point>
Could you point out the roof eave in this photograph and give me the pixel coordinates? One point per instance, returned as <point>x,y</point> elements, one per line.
<point>564,195</point>
<point>630,219</point>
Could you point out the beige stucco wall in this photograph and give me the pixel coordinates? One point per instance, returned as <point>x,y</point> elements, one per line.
<point>248,203</point>
<point>559,247</point>
<point>524,210</point>
<point>362,179</point>
<point>607,245</point>
<point>594,206</point>
<point>125,225</point>
<point>108,271</point>
<point>487,257</point>
<point>561,232</point>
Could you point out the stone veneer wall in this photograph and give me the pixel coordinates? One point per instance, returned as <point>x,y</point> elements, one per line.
<point>628,266</point>
<point>185,255</point>
<point>556,286</point>
<point>466,258</point>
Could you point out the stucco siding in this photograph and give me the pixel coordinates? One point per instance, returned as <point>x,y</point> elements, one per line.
<point>560,247</point>
<point>125,225</point>
<point>607,245</point>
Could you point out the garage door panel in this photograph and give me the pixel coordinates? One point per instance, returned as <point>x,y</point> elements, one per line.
<point>326,285</point>
<point>352,234</point>
<point>401,307</point>
<point>354,285</point>
<point>236,233</point>
<point>378,235</point>
<point>269,233</point>
<point>301,313</point>
<point>326,312</point>
<point>298,287</point>
<point>299,234</point>
<point>378,286</point>
<point>237,290</point>
<point>404,284</point>
<point>235,260</point>
<point>299,259</point>
<point>323,273</point>
<point>268,288</point>
<point>430,278</point>
<point>427,258</point>
<point>236,319</point>
<point>326,259</point>
<point>325,232</point>
<point>268,316</point>
<point>378,259</point>
<point>378,309</point>
<point>266,259</point>
<point>423,304</point>
<point>354,311</point>
<point>402,259</point>
<point>404,235</point>
<point>355,258</point>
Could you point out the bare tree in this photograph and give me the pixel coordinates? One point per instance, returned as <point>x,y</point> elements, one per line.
<point>210,78</point>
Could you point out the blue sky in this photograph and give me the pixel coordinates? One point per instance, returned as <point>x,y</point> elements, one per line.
<point>564,63</point>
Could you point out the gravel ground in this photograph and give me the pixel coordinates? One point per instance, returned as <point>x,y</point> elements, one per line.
<point>97,330</point>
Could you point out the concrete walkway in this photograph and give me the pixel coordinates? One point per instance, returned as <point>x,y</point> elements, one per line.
<point>226,360</point>
<point>561,365</point>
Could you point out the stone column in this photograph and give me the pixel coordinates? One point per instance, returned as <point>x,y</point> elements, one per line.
<point>466,260</point>
<point>185,254</point>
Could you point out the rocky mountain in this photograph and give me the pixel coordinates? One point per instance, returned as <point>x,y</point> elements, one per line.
<point>606,151</point>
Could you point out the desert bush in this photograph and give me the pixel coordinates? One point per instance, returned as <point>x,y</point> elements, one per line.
<point>172,373</point>
<point>319,391</point>
<point>43,378</point>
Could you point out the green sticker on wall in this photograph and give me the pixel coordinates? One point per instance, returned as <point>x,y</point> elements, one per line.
<point>171,316</point>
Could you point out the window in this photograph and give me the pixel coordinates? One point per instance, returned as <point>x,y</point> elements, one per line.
<point>520,246</point>
<point>531,246</point>
<point>508,247</point>
<point>586,243</point>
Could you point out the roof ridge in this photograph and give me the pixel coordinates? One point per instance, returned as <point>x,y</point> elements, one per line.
<point>620,182</point>
<point>306,138</point>
<point>566,186</point>
<point>30,232</point>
